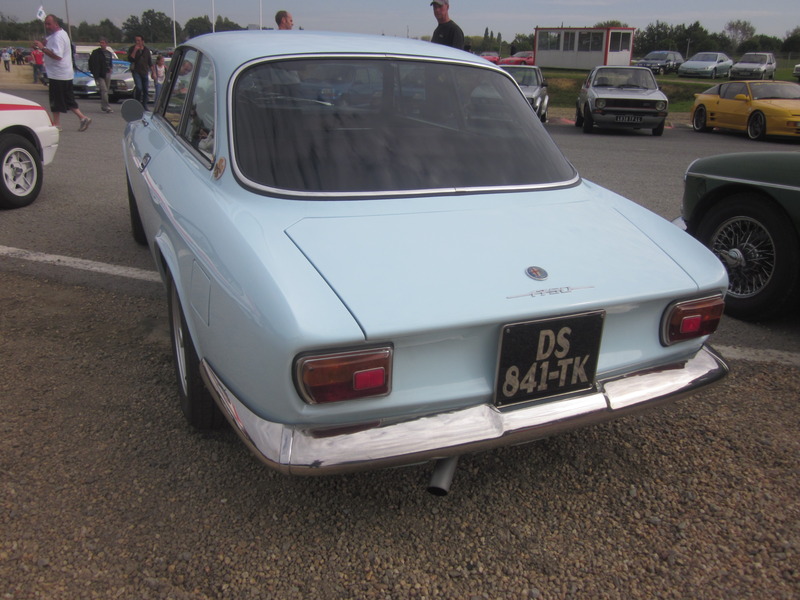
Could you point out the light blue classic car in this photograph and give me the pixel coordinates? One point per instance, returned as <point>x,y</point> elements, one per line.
<point>621,98</point>
<point>400,269</point>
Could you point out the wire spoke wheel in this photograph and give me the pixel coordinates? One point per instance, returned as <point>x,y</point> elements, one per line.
<point>747,250</point>
<point>760,250</point>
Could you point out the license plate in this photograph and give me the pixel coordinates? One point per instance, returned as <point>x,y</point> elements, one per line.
<point>548,357</point>
<point>629,119</point>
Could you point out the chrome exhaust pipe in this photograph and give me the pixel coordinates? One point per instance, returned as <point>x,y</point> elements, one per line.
<point>442,476</point>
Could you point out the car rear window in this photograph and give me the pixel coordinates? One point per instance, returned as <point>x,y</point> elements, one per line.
<point>374,126</point>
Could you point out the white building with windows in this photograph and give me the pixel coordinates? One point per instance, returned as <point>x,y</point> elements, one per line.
<point>583,47</point>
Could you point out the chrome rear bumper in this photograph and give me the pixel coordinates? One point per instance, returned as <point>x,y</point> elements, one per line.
<point>303,451</point>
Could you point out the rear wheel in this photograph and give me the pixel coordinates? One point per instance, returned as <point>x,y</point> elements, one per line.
<point>197,405</point>
<point>588,122</point>
<point>699,119</point>
<point>757,126</point>
<point>759,248</point>
<point>22,171</point>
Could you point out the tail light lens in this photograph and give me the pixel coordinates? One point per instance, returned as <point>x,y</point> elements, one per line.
<point>691,319</point>
<point>334,377</point>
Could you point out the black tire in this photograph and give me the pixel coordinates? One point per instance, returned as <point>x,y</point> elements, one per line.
<point>578,117</point>
<point>22,173</point>
<point>197,404</point>
<point>137,229</point>
<point>759,247</point>
<point>659,131</point>
<point>757,126</point>
<point>699,119</point>
<point>588,122</point>
<point>543,116</point>
<point>713,74</point>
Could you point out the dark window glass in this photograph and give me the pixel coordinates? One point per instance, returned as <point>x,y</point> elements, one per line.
<point>181,73</point>
<point>381,125</point>
<point>198,127</point>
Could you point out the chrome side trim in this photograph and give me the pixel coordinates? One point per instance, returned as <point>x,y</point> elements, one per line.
<point>296,450</point>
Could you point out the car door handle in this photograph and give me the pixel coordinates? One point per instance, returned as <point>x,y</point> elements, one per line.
<point>144,163</point>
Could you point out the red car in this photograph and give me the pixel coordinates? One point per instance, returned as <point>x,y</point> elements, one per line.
<point>491,55</point>
<point>520,58</point>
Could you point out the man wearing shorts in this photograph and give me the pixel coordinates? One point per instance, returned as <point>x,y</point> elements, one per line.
<point>58,64</point>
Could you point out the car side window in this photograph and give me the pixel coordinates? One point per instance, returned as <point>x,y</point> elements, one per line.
<point>181,84</point>
<point>198,128</point>
<point>730,91</point>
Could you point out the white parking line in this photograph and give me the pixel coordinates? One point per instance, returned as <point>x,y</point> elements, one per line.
<point>730,352</point>
<point>79,263</point>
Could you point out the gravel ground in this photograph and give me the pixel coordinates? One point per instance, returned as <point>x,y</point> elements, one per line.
<point>106,493</point>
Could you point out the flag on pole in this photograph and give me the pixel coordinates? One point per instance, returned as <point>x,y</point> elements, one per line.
<point>40,14</point>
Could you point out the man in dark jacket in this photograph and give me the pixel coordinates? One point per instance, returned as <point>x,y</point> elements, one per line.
<point>447,32</point>
<point>141,64</point>
<point>100,66</point>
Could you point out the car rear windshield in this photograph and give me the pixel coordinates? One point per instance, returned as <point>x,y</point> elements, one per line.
<point>376,126</point>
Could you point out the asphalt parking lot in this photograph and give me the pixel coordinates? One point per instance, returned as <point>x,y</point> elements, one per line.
<point>107,493</point>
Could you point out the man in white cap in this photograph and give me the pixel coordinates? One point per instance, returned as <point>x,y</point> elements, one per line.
<point>447,32</point>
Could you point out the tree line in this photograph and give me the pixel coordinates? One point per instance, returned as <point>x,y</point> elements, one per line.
<point>156,27</point>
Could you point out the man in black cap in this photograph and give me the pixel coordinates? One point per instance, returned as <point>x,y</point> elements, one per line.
<point>447,32</point>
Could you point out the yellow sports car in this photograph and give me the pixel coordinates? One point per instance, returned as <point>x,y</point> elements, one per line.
<point>760,108</point>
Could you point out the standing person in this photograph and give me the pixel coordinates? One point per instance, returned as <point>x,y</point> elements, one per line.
<point>58,63</point>
<point>37,58</point>
<point>141,64</point>
<point>284,20</point>
<point>100,66</point>
<point>447,32</point>
<point>6,59</point>
<point>158,74</point>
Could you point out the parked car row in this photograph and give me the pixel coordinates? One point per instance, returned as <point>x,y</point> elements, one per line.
<point>752,65</point>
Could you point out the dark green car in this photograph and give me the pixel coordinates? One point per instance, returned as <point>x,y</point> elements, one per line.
<point>746,208</point>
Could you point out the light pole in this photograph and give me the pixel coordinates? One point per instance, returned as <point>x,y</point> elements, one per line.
<point>69,26</point>
<point>174,34</point>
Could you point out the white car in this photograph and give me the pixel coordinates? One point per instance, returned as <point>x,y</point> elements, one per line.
<point>621,97</point>
<point>796,72</point>
<point>754,65</point>
<point>28,140</point>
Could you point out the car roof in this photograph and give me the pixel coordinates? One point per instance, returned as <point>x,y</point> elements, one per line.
<point>230,49</point>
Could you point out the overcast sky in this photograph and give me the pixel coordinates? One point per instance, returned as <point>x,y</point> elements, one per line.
<point>414,18</point>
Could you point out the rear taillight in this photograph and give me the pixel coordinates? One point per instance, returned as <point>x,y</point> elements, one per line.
<point>691,319</point>
<point>339,376</point>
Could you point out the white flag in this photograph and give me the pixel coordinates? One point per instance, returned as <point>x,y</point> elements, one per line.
<point>40,14</point>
